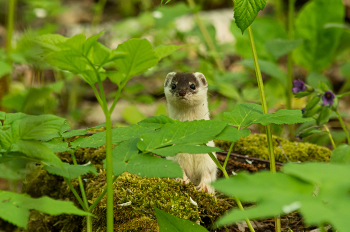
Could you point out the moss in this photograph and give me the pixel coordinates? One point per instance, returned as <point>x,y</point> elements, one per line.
<point>255,145</point>
<point>167,194</point>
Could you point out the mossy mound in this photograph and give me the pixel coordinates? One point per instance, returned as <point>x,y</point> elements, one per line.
<point>255,145</point>
<point>167,194</point>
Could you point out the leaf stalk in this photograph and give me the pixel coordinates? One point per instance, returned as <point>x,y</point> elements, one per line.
<point>343,125</point>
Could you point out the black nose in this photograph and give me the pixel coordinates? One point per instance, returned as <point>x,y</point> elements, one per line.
<point>182,93</point>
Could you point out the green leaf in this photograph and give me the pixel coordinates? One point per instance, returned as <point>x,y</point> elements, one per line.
<point>11,117</point>
<point>14,170</point>
<point>283,116</point>
<point>283,191</point>
<point>2,115</point>
<point>73,133</point>
<point>18,206</point>
<point>165,50</point>
<point>191,149</point>
<point>280,47</point>
<point>246,114</point>
<point>71,171</point>
<point>168,14</point>
<point>34,127</point>
<point>157,120</point>
<point>13,214</point>
<point>5,68</point>
<point>314,79</point>
<point>119,134</point>
<point>232,134</point>
<point>57,146</point>
<point>188,132</point>
<point>245,12</point>
<point>127,159</point>
<point>49,42</point>
<point>168,222</point>
<point>37,150</point>
<point>243,115</point>
<point>141,57</point>
<point>318,49</point>
<point>132,114</point>
<point>341,154</point>
<point>269,68</point>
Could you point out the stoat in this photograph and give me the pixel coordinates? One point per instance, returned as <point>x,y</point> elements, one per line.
<point>186,95</point>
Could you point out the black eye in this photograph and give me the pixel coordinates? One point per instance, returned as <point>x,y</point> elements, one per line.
<point>192,86</point>
<point>173,86</point>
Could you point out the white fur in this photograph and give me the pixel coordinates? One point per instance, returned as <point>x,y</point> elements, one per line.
<point>200,169</point>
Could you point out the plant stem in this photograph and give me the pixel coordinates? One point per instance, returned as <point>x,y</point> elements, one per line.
<point>109,166</point>
<point>330,136</point>
<point>240,206</point>
<point>279,10</point>
<point>289,93</point>
<point>206,36</point>
<point>321,228</point>
<point>10,23</point>
<point>116,98</point>
<point>76,194</point>
<point>100,197</point>
<point>265,111</point>
<point>82,190</point>
<point>228,155</point>
<point>98,12</point>
<point>343,126</point>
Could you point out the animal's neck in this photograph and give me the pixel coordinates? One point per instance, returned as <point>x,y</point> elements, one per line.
<point>190,113</point>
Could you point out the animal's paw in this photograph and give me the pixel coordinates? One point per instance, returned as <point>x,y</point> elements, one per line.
<point>184,180</point>
<point>205,187</point>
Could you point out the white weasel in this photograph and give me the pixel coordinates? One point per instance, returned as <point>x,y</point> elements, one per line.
<point>186,95</point>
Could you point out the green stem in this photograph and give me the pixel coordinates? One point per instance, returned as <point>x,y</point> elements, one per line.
<point>100,197</point>
<point>76,194</point>
<point>109,164</point>
<point>279,10</point>
<point>206,36</point>
<point>116,98</point>
<point>289,92</point>
<point>240,206</point>
<point>343,126</point>
<point>265,111</point>
<point>82,190</point>
<point>10,23</point>
<point>98,12</point>
<point>330,136</point>
<point>228,155</point>
<point>321,228</point>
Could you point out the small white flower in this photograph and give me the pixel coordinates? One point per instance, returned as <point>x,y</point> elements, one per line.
<point>233,173</point>
<point>40,12</point>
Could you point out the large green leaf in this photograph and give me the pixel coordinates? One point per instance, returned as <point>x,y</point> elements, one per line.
<point>191,149</point>
<point>341,154</point>
<point>160,121</point>
<point>246,114</point>
<point>71,171</point>
<point>15,207</point>
<point>280,47</point>
<point>189,132</point>
<point>165,50</point>
<point>49,42</point>
<point>243,115</point>
<point>127,159</point>
<point>168,222</point>
<point>320,44</point>
<point>245,12</point>
<point>141,57</point>
<point>119,134</point>
<point>5,68</point>
<point>232,134</point>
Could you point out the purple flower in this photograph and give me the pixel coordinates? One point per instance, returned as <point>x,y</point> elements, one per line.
<point>327,98</point>
<point>298,86</point>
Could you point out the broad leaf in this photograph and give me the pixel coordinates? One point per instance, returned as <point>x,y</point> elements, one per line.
<point>56,145</point>
<point>73,133</point>
<point>280,47</point>
<point>141,57</point>
<point>165,50</point>
<point>245,12</point>
<point>283,116</point>
<point>232,134</point>
<point>168,222</point>
<point>2,115</point>
<point>15,207</point>
<point>71,171</point>
<point>49,42</point>
<point>191,149</point>
<point>127,159</point>
<point>5,68</point>
<point>189,132</point>
<point>243,115</point>
<point>320,44</point>
<point>157,121</point>
<point>341,154</point>
<point>119,134</point>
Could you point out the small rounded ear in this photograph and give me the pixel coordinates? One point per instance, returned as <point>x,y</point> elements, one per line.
<point>201,78</point>
<point>168,78</point>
